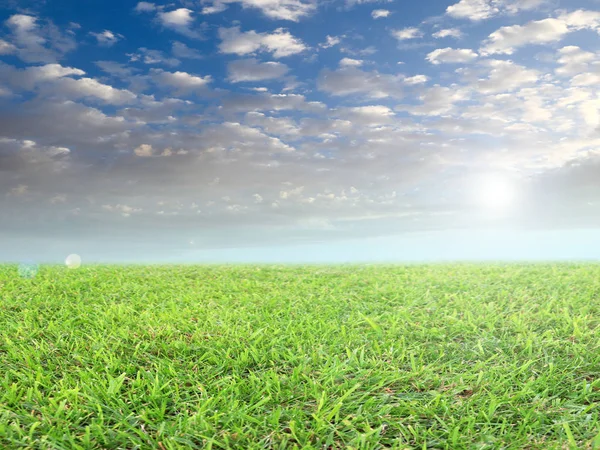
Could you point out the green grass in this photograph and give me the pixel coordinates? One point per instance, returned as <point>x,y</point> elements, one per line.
<point>415,357</point>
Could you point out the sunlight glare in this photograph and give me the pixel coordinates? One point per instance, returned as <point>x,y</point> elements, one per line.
<point>73,261</point>
<point>496,193</point>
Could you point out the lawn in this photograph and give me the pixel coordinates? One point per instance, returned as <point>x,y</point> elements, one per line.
<point>458,356</point>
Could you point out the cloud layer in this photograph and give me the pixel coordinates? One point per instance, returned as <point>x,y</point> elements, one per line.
<point>304,123</point>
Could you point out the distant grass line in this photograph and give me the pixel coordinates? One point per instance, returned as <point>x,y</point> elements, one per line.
<point>445,356</point>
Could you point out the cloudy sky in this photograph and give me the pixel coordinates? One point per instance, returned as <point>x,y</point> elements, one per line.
<point>299,130</point>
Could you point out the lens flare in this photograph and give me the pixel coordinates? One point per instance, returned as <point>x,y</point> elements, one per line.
<point>73,261</point>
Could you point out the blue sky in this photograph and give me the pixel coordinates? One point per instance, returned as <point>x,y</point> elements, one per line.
<point>293,130</point>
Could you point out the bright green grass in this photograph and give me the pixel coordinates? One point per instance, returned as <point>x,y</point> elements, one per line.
<point>442,356</point>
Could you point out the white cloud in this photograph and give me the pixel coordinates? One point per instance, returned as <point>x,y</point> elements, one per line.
<point>54,79</point>
<point>181,17</point>
<point>91,88</point>
<point>181,81</point>
<point>292,10</point>
<point>114,68</point>
<point>371,115</point>
<point>33,42</point>
<point>505,76</point>
<point>436,100</point>
<point>180,50</point>
<point>50,72</point>
<point>351,80</point>
<point>407,33</point>
<point>477,10</point>
<point>330,41</point>
<point>280,43</point>
<point>277,126</point>
<point>6,48</point>
<point>148,56</point>
<point>243,139</point>
<point>506,39</point>
<point>144,150</point>
<point>107,38</point>
<point>472,9</point>
<point>145,7</point>
<point>347,62</point>
<point>448,32</point>
<point>574,60</point>
<point>235,103</point>
<point>417,79</point>
<point>582,19</point>
<point>451,55</point>
<point>254,70</point>
<point>379,13</point>
<point>586,79</point>
<point>179,20</point>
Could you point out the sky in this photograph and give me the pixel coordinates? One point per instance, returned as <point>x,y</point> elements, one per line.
<point>299,130</point>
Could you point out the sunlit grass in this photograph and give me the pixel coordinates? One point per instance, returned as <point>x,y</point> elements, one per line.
<point>441,356</point>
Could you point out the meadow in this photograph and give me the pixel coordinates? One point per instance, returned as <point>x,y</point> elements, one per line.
<point>449,356</point>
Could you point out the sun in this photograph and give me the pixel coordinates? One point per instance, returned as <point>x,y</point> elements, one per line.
<point>496,193</point>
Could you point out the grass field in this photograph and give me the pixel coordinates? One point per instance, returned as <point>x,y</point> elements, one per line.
<point>365,357</point>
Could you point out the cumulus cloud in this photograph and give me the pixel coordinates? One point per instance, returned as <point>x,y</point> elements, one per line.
<point>144,150</point>
<point>380,13</point>
<point>107,38</point>
<point>574,60</point>
<point>6,48</point>
<point>280,43</point>
<point>181,82</point>
<point>254,70</point>
<point>477,10</point>
<point>145,7</point>
<point>149,56</point>
<point>235,103</point>
<point>407,33</point>
<point>56,80</point>
<point>276,126</point>
<point>472,9</point>
<point>451,55</point>
<point>505,76</point>
<point>448,32</point>
<point>180,50</point>
<point>241,154</point>
<point>351,80</point>
<point>416,79</point>
<point>89,88</point>
<point>371,115</point>
<point>506,39</point>
<point>436,101</point>
<point>114,68</point>
<point>349,62</point>
<point>330,41</point>
<point>179,20</point>
<point>242,138</point>
<point>292,10</point>
<point>35,42</point>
